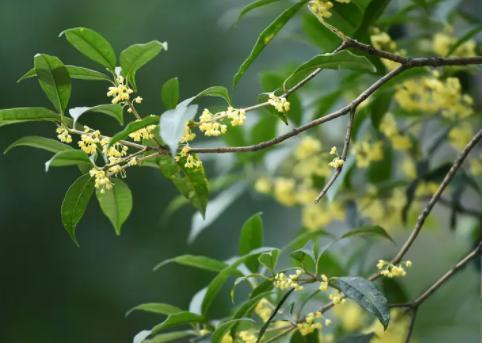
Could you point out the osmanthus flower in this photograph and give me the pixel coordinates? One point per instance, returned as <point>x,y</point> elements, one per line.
<point>460,135</point>
<point>102,180</point>
<point>443,42</point>
<point>209,125</point>
<point>279,103</point>
<point>248,336</point>
<point>284,282</point>
<point>309,325</point>
<point>284,191</point>
<point>63,134</point>
<point>144,133</point>
<point>321,8</point>
<point>188,135</point>
<point>366,152</point>
<point>426,189</point>
<point>227,338</point>
<point>264,309</point>
<point>391,270</point>
<point>382,41</point>
<point>263,185</point>
<point>121,92</point>
<point>350,316</point>
<point>337,298</point>
<point>315,216</point>
<point>324,283</point>
<point>191,161</point>
<point>236,115</point>
<point>89,141</point>
<point>307,147</point>
<point>389,127</point>
<point>396,331</point>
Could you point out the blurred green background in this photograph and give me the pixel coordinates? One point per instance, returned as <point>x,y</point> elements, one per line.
<point>50,290</point>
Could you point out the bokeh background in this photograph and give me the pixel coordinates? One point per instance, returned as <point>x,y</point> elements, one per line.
<point>52,291</point>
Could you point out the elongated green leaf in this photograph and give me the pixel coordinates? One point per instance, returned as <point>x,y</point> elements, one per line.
<point>200,262</point>
<point>91,44</point>
<point>173,121</point>
<point>79,73</point>
<point>54,80</point>
<point>170,93</point>
<point>190,182</point>
<point>216,91</point>
<point>159,308</point>
<point>266,37</point>
<point>38,142</point>
<point>253,5</point>
<point>368,230</point>
<point>24,114</point>
<point>305,256</point>
<point>113,110</point>
<point>116,204</point>
<point>251,238</point>
<point>67,158</point>
<point>469,34</point>
<point>134,126</point>
<point>170,337</point>
<point>366,294</point>
<point>75,203</point>
<point>136,56</point>
<point>177,319</point>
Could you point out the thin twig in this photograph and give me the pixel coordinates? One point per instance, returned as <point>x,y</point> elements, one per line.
<point>275,312</point>
<point>411,327</point>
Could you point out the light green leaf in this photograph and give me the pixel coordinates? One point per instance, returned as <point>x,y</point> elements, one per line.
<point>116,203</point>
<point>24,114</point>
<point>366,294</point>
<point>170,337</point>
<point>200,262</point>
<point>79,73</point>
<point>115,111</point>
<point>368,230</point>
<point>38,142</point>
<point>75,203</point>
<point>134,126</point>
<point>136,56</point>
<point>251,238</point>
<point>92,44</point>
<point>270,259</point>
<point>216,91</point>
<point>469,34</point>
<point>159,308</point>
<point>54,80</point>
<point>173,121</point>
<point>253,5</point>
<point>170,93</point>
<point>266,37</point>
<point>177,319</point>
<point>305,256</point>
<point>68,158</point>
<point>190,182</point>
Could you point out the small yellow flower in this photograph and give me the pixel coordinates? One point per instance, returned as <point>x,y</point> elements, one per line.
<point>227,338</point>
<point>308,147</point>
<point>263,185</point>
<point>309,325</point>
<point>284,191</point>
<point>336,163</point>
<point>188,135</point>
<point>63,134</point>
<point>337,298</point>
<point>333,151</point>
<point>324,283</point>
<point>283,281</point>
<point>321,8</point>
<point>247,336</point>
<point>264,309</point>
<point>279,103</point>
<point>209,125</point>
<point>102,180</point>
<point>144,133</point>
<point>237,116</point>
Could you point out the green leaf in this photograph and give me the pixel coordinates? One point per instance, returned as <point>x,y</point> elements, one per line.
<point>66,158</point>
<point>134,126</point>
<point>170,93</point>
<point>363,338</point>
<point>177,319</point>
<point>251,238</point>
<point>469,34</point>
<point>217,92</point>
<point>159,308</point>
<point>340,60</point>
<point>54,80</point>
<point>305,256</point>
<point>266,37</point>
<point>136,56</point>
<point>366,294</point>
<point>200,262</point>
<point>270,259</point>
<point>79,73</point>
<point>190,182</point>
<point>224,328</point>
<point>297,337</point>
<point>75,203</point>
<point>38,142</point>
<point>253,5</point>
<point>116,203</point>
<point>368,230</point>
<point>91,44</point>
<point>173,121</point>
<point>170,337</point>
<point>113,110</point>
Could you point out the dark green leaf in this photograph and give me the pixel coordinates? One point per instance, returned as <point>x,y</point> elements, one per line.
<point>113,110</point>
<point>297,337</point>
<point>216,91</point>
<point>177,319</point>
<point>368,230</point>
<point>170,93</point>
<point>92,44</point>
<point>54,80</point>
<point>158,308</point>
<point>38,142</point>
<point>75,203</point>
<point>79,73</point>
<point>200,262</point>
<point>251,238</point>
<point>266,37</point>
<point>136,56</point>
<point>134,126</point>
<point>253,5</point>
<point>116,203</point>
<point>305,256</point>
<point>67,158</point>
<point>366,294</point>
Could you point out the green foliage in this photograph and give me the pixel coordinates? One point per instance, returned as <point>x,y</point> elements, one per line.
<point>170,93</point>
<point>200,262</point>
<point>113,110</point>
<point>79,73</point>
<point>116,204</point>
<point>251,238</point>
<point>66,158</point>
<point>39,142</point>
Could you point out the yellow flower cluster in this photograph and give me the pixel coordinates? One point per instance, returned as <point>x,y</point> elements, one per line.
<point>89,141</point>
<point>443,42</point>
<point>227,338</point>
<point>236,115</point>
<point>366,152</point>
<point>383,41</point>
<point>284,191</point>
<point>247,336</point>
<point>264,309</point>
<point>426,189</point>
<point>191,161</point>
<point>392,271</point>
<point>102,180</point>
<point>209,125</point>
<point>321,8</point>
<point>337,298</point>
<point>324,283</point>
<point>144,133</point>
<point>307,148</point>
<point>63,134</point>
<point>350,315</point>
<point>283,281</point>
<point>389,127</point>
<point>188,135</point>
<point>263,185</point>
<point>396,331</point>
<point>120,92</point>
<point>460,135</point>
<point>431,95</point>
<point>279,103</point>
<point>316,216</point>
<point>309,325</point>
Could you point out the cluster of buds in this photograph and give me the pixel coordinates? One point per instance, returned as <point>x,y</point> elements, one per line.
<point>264,309</point>
<point>209,125</point>
<point>191,161</point>
<point>279,103</point>
<point>309,325</point>
<point>120,92</point>
<point>102,180</point>
<point>324,283</point>
<point>89,141</point>
<point>144,133</point>
<point>321,8</point>
<point>283,282</point>
<point>337,162</point>
<point>188,135</point>
<point>392,271</point>
<point>63,134</point>
<point>337,298</point>
<point>248,336</point>
<point>236,115</point>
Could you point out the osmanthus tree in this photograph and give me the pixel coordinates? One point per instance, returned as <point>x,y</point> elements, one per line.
<point>401,109</point>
